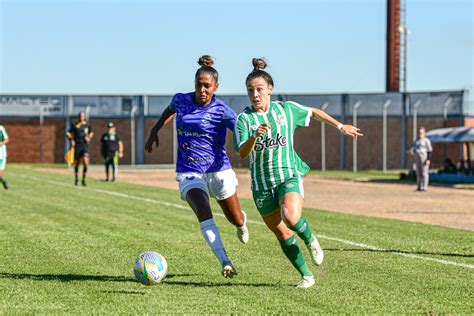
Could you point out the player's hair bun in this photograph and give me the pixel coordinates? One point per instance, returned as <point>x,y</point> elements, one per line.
<point>206,61</point>
<point>259,63</point>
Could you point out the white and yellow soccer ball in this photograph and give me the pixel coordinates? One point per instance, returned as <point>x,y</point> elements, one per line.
<point>150,268</point>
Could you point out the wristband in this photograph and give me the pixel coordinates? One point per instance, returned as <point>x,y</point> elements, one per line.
<point>339,126</point>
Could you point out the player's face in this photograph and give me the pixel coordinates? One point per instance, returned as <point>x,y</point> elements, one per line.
<point>82,116</point>
<point>204,87</point>
<point>421,133</point>
<point>259,92</point>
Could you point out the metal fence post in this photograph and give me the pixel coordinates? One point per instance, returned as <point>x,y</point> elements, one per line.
<point>446,104</point>
<point>354,140</point>
<point>415,119</point>
<point>41,142</point>
<point>384,144</point>
<point>132,133</point>
<point>323,139</point>
<point>175,142</point>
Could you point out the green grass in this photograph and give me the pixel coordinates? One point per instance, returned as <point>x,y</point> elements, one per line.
<point>369,175</point>
<point>71,250</point>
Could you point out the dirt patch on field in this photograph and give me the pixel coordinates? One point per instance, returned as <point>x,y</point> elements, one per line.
<point>439,206</point>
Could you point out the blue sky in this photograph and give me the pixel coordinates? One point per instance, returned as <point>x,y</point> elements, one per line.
<point>320,46</point>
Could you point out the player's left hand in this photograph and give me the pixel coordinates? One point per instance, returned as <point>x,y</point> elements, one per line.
<point>152,139</point>
<point>351,131</point>
<point>120,155</point>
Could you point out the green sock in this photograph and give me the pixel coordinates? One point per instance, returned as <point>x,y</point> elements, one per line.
<point>293,253</point>
<point>303,230</point>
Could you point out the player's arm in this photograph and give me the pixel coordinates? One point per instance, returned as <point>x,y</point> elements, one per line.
<point>328,119</point>
<point>120,149</point>
<point>246,147</point>
<point>429,153</point>
<point>165,117</point>
<point>69,135</point>
<point>5,141</point>
<point>89,135</point>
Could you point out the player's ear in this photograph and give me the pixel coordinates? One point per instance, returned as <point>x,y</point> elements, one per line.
<point>270,89</point>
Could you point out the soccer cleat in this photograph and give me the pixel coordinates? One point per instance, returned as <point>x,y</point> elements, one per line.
<point>317,254</point>
<point>228,270</point>
<point>5,184</point>
<point>84,182</point>
<point>306,282</point>
<point>243,231</point>
<point>76,182</point>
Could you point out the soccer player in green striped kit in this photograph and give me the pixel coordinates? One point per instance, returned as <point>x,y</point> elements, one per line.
<point>265,133</point>
<point>3,154</point>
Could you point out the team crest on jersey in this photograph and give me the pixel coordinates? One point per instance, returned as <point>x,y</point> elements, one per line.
<point>205,120</point>
<point>281,120</point>
<point>289,185</point>
<point>259,203</point>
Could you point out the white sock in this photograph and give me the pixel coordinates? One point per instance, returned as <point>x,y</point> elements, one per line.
<point>211,235</point>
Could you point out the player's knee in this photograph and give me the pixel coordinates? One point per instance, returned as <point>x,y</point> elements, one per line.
<point>288,215</point>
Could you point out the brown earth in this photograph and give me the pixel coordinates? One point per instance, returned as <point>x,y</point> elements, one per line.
<point>441,206</point>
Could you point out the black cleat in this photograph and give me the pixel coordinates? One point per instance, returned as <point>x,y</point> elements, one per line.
<point>84,183</point>
<point>5,184</point>
<point>76,182</point>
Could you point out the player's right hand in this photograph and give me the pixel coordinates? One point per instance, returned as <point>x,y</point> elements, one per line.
<point>73,143</point>
<point>153,138</point>
<point>262,130</point>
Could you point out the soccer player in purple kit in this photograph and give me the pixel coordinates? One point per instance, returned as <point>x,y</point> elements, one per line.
<point>203,166</point>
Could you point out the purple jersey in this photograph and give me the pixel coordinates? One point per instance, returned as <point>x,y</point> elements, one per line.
<point>201,133</point>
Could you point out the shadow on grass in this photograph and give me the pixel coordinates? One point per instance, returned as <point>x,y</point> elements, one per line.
<point>218,284</point>
<point>108,278</point>
<point>66,277</point>
<point>405,252</point>
<point>77,277</point>
<point>124,292</point>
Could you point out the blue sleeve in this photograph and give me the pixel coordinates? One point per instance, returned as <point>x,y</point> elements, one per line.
<point>174,103</point>
<point>229,118</point>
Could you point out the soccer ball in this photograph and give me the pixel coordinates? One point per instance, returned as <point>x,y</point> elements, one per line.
<point>150,268</point>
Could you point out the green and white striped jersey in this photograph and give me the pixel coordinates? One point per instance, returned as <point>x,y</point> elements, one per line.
<point>273,159</point>
<point>3,136</point>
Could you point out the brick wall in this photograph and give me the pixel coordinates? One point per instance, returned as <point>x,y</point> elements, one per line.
<point>24,142</point>
<point>24,145</point>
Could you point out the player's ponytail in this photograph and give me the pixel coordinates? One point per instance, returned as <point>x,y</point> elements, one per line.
<point>259,64</point>
<point>206,62</point>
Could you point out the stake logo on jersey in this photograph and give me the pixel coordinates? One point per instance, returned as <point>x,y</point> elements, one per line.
<point>201,134</point>
<point>273,159</point>
<point>266,141</point>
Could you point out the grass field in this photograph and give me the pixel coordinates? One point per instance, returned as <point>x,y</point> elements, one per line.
<point>68,249</point>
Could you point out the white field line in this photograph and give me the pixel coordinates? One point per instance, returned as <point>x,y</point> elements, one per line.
<point>343,241</point>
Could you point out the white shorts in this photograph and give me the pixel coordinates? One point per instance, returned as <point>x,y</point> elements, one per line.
<point>220,185</point>
<point>3,163</point>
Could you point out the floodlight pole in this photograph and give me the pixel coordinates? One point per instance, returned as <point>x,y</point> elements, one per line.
<point>384,146</point>
<point>133,111</point>
<point>354,140</point>
<point>415,119</point>
<point>323,139</point>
